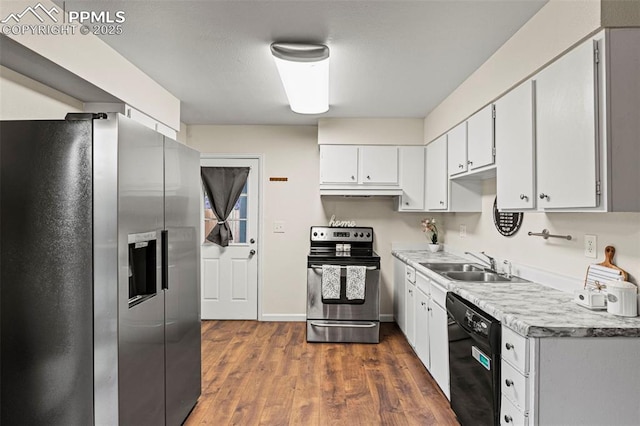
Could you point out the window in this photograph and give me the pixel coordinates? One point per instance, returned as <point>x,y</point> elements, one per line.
<point>237,220</point>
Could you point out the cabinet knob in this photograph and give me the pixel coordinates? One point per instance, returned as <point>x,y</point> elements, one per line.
<point>461,166</point>
<point>422,303</point>
<point>442,203</point>
<point>509,346</point>
<point>406,203</point>
<point>508,382</point>
<point>353,178</point>
<point>508,418</point>
<point>369,177</point>
<point>470,163</point>
<point>543,196</point>
<point>252,252</point>
<point>524,197</point>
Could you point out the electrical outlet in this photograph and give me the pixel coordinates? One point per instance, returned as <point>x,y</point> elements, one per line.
<point>590,245</point>
<point>463,231</point>
<point>278,227</point>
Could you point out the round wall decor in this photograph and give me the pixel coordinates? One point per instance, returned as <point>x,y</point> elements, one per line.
<point>506,223</point>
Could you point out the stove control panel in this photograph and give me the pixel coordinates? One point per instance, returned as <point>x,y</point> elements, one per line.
<point>330,234</point>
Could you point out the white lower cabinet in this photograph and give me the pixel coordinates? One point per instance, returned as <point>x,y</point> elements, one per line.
<point>422,328</point>
<point>410,309</point>
<point>399,279</point>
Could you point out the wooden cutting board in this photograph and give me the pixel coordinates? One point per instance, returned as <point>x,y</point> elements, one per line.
<point>598,274</point>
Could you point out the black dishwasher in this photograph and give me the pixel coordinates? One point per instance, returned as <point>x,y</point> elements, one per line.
<point>474,362</point>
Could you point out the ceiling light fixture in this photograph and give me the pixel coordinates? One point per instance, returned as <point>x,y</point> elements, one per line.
<point>304,71</point>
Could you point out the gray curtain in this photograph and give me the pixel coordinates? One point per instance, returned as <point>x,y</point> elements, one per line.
<point>223,186</point>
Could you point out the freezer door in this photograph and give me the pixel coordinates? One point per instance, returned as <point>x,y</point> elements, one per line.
<point>182,295</point>
<point>46,318</point>
<point>140,296</point>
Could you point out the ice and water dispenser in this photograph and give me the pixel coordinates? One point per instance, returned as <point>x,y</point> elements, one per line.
<point>143,267</point>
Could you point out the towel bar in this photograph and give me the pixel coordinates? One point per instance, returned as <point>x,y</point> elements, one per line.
<point>368,268</point>
<point>546,235</point>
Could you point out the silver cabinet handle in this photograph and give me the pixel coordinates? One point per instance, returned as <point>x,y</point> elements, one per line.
<point>252,241</point>
<point>442,203</point>
<point>524,197</point>
<point>543,196</point>
<point>460,166</point>
<point>509,346</point>
<point>252,252</point>
<point>369,177</point>
<point>368,268</point>
<point>422,303</point>
<point>507,418</point>
<point>508,382</point>
<point>470,163</point>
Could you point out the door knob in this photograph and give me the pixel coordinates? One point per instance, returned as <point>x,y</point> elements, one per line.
<point>252,241</point>
<point>252,252</point>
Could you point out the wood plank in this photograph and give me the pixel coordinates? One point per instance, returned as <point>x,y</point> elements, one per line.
<point>266,373</point>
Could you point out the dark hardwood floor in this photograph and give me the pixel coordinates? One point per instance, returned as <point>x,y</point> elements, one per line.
<point>265,373</point>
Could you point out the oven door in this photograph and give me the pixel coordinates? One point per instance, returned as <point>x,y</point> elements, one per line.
<point>343,309</point>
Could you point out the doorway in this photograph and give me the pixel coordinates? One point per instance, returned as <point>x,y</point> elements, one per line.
<point>230,274</point>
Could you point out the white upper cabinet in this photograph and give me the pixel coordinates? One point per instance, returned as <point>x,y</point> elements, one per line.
<point>412,159</point>
<point>566,131</point>
<point>515,161</point>
<point>457,141</point>
<point>339,164</point>
<point>379,165</point>
<point>437,181</point>
<point>480,144</point>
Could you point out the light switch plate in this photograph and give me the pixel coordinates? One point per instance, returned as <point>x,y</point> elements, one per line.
<point>278,227</point>
<point>590,246</point>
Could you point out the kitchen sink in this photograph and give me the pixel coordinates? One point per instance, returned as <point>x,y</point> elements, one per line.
<point>453,267</point>
<point>480,276</point>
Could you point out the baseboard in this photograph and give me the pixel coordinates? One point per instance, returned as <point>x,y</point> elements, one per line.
<point>284,317</point>
<point>303,317</point>
<point>386,318</point>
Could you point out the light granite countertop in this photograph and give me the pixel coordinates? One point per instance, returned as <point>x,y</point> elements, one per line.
<point>531,309</point>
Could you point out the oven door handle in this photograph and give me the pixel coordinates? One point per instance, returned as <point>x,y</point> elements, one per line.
<point>368,268</point>
<point>343,325</point>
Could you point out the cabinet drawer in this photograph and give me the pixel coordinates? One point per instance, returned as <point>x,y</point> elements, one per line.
<point>515,350</point>
<point>514,386</point>
<point>510,415</point>
<point>410,273</point>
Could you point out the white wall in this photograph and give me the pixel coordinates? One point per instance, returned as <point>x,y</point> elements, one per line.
<point>621,230</point>
<point>370,131</point>
<point>24,99</point>
<point>292,152</point>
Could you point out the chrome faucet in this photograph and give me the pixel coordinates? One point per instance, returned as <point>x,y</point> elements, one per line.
<point>508,273</point>
<point>491,262</point>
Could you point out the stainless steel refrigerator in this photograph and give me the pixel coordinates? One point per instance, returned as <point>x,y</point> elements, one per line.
<point>99,273</point>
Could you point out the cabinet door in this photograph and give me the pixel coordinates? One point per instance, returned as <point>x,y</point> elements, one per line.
<point>412,178</point>
<point>515,161</point>
<point>399,292</point>
<point>439,346</point>
<point>437,180</point>
<point>566,131</point>
<point>457,141</point>
<point>338,164</point>
<point>410,309</point>
<point>422,328</point>
<point>379,165</point>
<point>480,138</point>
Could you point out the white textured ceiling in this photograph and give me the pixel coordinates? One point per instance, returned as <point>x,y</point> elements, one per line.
<point>388,58</point>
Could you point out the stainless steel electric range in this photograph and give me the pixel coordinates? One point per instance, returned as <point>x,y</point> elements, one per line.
<point>343,317</point>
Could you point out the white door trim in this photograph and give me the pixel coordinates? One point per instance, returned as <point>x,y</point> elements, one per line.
<point>260,159</point>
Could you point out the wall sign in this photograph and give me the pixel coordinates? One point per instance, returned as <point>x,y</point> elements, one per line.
<point>506,223</point>
<point>341,223</point>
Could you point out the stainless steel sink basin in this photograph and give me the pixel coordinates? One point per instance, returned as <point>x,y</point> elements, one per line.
<point>480,276</point>
<point>449,267</point>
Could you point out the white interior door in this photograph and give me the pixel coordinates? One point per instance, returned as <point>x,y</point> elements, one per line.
<point>230,274</point>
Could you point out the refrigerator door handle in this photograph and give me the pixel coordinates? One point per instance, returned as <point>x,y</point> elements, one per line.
<point>165,259</point>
